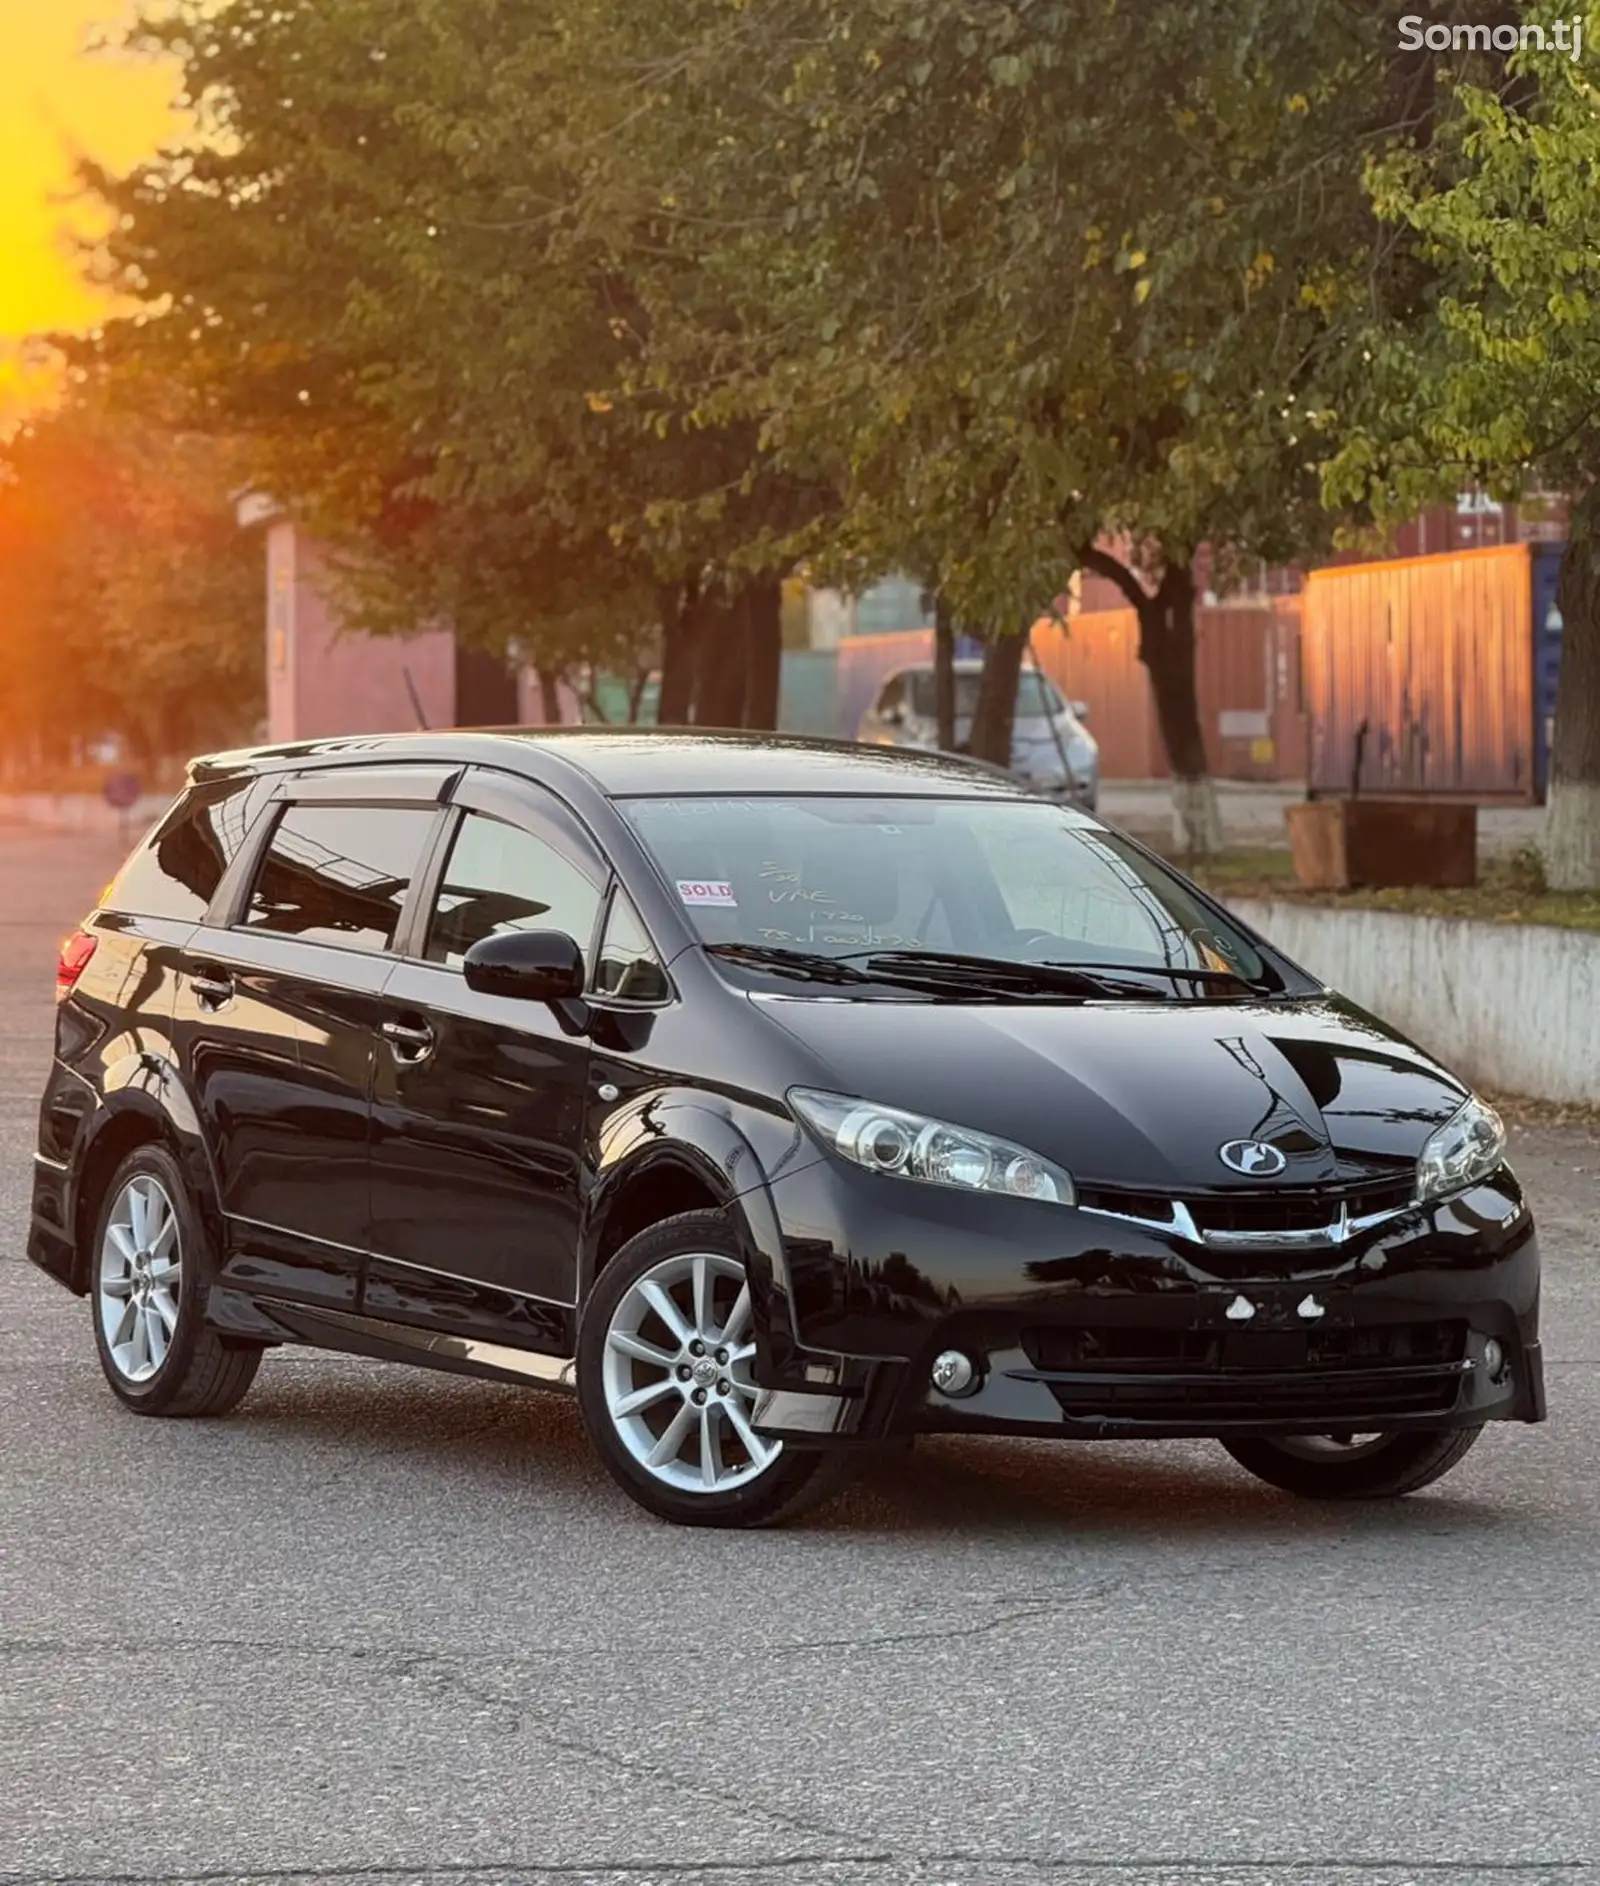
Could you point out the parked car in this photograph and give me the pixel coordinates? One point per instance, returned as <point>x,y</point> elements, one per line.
<point>1051,749</point>
<point>779,1097</point>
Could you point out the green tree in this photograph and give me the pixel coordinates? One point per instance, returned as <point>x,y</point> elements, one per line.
<point>1498,384</point>
<point>366,266</point>
<point>131,603</point>
<point>1020,281</point>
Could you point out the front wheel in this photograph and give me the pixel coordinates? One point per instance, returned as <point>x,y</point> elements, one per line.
<point>667,1387</point>
<point>1353,1466</point>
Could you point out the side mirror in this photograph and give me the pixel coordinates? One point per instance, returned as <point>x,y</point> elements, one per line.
<point>1080,710</point>
<point>527,966</point>
<point>893,716</point>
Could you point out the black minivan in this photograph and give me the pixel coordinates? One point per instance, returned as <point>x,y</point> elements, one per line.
<point>780,1097</point>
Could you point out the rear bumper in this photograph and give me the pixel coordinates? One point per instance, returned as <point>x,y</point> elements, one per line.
<point>50,1240</point>
<point>1082,1329</point>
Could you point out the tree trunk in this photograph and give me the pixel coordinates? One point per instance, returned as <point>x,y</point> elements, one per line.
<point>549,696</point>
<point>1167,649</point>
<point>1572,820</point>
<point>944,674</point>
<point>996,711</point>
<point>679,604</point>
<point>763,613</point>
<point>723,665</point>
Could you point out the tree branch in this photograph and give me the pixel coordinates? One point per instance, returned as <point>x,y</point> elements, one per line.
<point>1101,563</point>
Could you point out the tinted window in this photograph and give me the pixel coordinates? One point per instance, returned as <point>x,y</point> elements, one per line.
<point>628,967</point>
<point>1036,695</point>
<point>177,871</point>
<point>339,873</point>
<point>502,878</point>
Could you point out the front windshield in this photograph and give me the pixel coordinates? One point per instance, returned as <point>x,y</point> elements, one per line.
<point>1036,695</point>
<point>1018,881</point>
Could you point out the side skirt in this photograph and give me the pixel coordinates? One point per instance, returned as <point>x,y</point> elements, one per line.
<point>374,1336</point>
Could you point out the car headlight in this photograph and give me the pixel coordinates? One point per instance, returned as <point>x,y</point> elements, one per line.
<point>910,1146</point>
<point>1468,1147</point>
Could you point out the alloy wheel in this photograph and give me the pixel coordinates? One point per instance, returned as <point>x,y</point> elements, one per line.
<point>1331,1447</point>
<point>138,1292</point>
<point>678,1375</point>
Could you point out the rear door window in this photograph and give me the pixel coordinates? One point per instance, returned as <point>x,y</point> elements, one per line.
<point>339,874</point>
<point>177,871</point>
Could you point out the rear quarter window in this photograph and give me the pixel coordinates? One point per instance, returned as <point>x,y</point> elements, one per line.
<point>176,872</point>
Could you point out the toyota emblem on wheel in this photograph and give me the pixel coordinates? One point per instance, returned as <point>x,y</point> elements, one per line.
<point>1253,1157</point>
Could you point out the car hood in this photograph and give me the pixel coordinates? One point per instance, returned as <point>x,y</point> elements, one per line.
<point>1144,1095</point>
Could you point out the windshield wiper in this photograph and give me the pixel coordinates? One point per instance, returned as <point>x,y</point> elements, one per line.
<point>1082,979</point>
<point>923,970</point>
<point>955,972</point>
<point>807,965</point>
<point>1169,972</point>
<point>952,968</point>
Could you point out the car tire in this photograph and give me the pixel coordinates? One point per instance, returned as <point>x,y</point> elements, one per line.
<point>159,1354</point>
<point>668,1322</point>
<point>1376,1467</point>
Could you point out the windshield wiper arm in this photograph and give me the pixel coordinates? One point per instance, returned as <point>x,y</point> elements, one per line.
<point>1068,978</point>
<point>949,967</point>
<point>807,965</point>
<point>1169,972</point>
<point>923,970</point>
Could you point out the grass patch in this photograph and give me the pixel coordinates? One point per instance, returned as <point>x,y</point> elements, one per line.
<point>1510,890</point>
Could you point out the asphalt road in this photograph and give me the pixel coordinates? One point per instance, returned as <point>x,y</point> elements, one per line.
<point>384,1625</point>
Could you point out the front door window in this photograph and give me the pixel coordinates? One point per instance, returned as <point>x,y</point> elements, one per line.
<point>501,878</point>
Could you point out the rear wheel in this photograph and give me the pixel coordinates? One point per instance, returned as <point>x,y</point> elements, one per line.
<point>667,1387</point>
<point>151,1269</point>
<point>1353,1466</point>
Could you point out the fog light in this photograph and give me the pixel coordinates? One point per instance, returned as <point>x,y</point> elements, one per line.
<point>1494,1360</point>
<point>953,1373</point>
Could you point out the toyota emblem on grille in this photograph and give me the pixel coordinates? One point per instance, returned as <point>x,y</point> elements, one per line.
<point>1253,1157</point>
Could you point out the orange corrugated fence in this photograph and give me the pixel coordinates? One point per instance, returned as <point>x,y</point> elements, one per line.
<point>1247,676</point>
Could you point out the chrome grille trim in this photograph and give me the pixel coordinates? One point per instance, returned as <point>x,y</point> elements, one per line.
<point>1320,1237</point>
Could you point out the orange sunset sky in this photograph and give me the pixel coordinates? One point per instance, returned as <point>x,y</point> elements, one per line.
<point>58,102</point>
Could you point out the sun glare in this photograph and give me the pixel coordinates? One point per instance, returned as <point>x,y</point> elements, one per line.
<point>60,102</point>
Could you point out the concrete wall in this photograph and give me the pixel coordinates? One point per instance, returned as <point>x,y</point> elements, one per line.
<point>320,682</point>
<point>323,682</point>
<point>1511,1007</point>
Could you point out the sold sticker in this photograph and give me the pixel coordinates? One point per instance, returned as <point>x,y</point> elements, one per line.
<point>716,892</point>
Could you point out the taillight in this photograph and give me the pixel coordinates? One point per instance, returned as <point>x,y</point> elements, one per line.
<point>74,960</point>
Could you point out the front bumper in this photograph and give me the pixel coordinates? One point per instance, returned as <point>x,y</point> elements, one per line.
<point>1084,1328</point>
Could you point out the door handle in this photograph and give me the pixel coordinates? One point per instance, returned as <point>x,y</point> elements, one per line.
<point>411,1042</point>
<point>213,988</point>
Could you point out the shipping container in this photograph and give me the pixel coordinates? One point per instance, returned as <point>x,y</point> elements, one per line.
<point>865,662</point>
<point>808,695</point>
<point>1434,676</point>
<point>1247,677</point>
